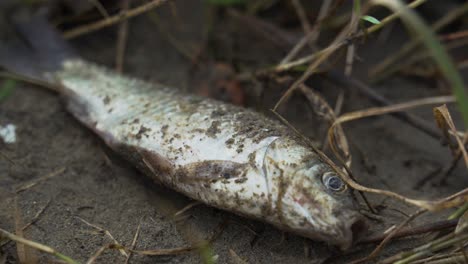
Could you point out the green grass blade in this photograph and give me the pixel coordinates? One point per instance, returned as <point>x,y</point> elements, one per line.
<point>6,89</point>
<point>371,19</point>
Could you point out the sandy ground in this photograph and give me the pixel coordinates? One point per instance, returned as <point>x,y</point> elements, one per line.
<point>104,190</point>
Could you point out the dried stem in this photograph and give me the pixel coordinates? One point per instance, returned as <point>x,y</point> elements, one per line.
<point>35,245</point>
<point>81,30</point>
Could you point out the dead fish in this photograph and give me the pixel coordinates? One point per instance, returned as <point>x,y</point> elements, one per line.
<point>226,156</point>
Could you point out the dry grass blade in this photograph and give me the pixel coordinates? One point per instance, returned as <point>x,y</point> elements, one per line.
<point>35,245</point>
<point>113,19</point>
<point>423,251</point>
<point>339,42</point>
<point>36,216</point>
<point>201,246</point>
<point>107,233</point>
<point>302,17</point>
<point>448,202</point>
<point>132,246</point>
<point>101,250</point>
<point>434,47</point>
<point>25,254</point>
<point>3,155</point>
<point>387,239</point>
<point>166,252</point>
<point>35,182</point>
<point>99,7</point>
<point>445,123</point>
<point>324,110</point>
<point>374,111</point>
<point>236,258</point>
<point>462,226</point>
<point>324,54</point>
<point>384,68</point>
<point>122,39</point>
<point>411,231</point>
<point>311,36</point>
<point>186,208</point>
<point>3,258</point>
<point>97,254</point>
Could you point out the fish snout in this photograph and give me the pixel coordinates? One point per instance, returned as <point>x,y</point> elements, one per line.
<point>353,229</point>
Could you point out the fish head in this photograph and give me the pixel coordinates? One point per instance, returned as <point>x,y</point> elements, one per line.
<point>308,197</point>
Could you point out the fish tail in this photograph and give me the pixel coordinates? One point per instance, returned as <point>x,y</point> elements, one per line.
<point>37,50</point>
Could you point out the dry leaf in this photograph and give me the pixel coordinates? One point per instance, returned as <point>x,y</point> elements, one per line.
<point>445,123</point>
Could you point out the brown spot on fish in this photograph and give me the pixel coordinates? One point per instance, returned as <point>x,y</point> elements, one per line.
<point>213,129</point>
<point>240,148</point>
<point>152,164</point>
<point>252,159</point>
<point>279,200</point>
<point>217,113</point>
<point>142,132</point>
<point>210,170</point>
<point>164,130</point>
<point>198,130</point>
<point>106,100</point>
<point>248,124</point>
<point>242,180</point>
<point>229,142</point>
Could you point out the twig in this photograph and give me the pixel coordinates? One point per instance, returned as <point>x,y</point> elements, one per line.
<point>350,51</point>
<point>387,239</point>
<point>349,59</point>
<point>265,29</point>
<point>3,155</point>
<point>425,250</point>
<point>431,227</point>
<point>344,41</point>
<point>383,70</point>
<point>25,254</point>
<point>36,216</point>
<point>132,247</point>
<point>182,48</point>
<point>39,180</point>
<point>101,250</point>
<point>327,52</point>
<point>303,18</point>
<point>107,233</point>
<point>455,35</point>
<point>324,110</point>
<point>183,250</point>
<point>312,36</point>
<point>100,8</point>
<point>112,20</point>
<point>236,258</point>
<point>186,208</point>
<point>122,39</point>
<point>411,119</point>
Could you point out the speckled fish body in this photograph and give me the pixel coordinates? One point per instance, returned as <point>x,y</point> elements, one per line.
<point>225,156</point>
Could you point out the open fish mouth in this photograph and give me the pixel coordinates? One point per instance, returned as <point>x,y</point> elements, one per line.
<point>352,231</point>
<point>343,235</point>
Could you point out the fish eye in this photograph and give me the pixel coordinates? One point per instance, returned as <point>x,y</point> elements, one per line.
<point>333,182</point>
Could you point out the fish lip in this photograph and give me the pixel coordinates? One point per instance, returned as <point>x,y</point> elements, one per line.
<point>352,231</point>
<point>343,235</point>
